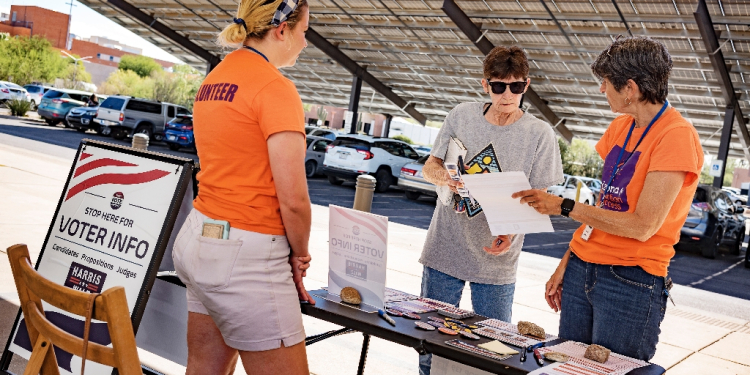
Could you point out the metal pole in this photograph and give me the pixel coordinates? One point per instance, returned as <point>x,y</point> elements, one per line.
<point>363,355</point>
<point>726,138</point>
<point>354,101</point>
<point>364,192</point>
<point>387,125</point>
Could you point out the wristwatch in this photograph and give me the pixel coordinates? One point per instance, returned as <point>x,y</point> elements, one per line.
<point>567,206</point>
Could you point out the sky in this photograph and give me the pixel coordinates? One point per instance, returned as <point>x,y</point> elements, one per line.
<point>86,22</point>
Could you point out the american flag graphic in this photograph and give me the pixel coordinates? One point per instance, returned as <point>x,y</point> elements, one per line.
<point>127,174</point>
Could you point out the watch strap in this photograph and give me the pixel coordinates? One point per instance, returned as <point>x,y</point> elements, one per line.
<point>567,206</point>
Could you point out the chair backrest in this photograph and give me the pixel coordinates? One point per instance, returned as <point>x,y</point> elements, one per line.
<point>110,307</point>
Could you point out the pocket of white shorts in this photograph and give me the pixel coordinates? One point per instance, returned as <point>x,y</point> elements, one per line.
<point>213,262</point>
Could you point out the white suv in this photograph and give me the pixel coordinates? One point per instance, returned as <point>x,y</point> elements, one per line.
<point>352,155</point>
<point>569,187</point>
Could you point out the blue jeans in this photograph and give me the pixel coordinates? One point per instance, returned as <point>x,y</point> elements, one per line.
<point>492,301</point>
<point>618,307</point>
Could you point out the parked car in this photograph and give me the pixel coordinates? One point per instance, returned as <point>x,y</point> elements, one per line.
<point>179,133</point>
<point>352,155</point>
<point>56,104</point>
<point>82,119</point>
<point>736,196</point>
<point>36,92</point>
<point>316,153</point>
<point>595,185</point>
<point>412,181</point>
<point>712,221</point>
<point>325,133</point>
<point>126,115</point>
<point>568,189</point>
<point>10,91</point>
<point>422,150</point>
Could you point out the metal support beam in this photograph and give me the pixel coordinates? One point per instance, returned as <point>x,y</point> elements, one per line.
<point>726,137</point>
<point>474,33</point>
<point>387,125</point>
<point>333,52</point>
<point>164,30</point>
<point>711,42</point>
<point>354,101</point>
<point>622,17</point>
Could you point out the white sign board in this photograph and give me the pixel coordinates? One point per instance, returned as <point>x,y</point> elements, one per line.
<point>715,170</point>
<point>110,229</point>
<point>357,253</point>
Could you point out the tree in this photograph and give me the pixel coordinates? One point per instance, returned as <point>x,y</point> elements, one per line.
<point>402,138</point>
<point>127,82</point>
<point>24,60</point>
<point>75,73</point>
<point>141,65</point>
<point>580,159</point>
<point>179,87</point>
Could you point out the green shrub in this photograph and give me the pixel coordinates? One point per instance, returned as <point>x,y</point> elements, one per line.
<point>18,107</point>
<point>402,138</point>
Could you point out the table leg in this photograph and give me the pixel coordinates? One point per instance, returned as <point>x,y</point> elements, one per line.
<point>363,356</point>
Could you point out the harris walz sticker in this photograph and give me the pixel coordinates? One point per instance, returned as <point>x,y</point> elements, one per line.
<point>84,279</point>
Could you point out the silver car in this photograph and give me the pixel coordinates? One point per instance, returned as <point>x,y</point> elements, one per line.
<point>412,181</point>
<point>316,153</point>
<point>36,92</point>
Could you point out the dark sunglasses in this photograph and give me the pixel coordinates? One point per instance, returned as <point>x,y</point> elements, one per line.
<point>515,87</point>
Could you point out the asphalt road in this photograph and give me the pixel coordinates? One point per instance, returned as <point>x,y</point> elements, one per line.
<point>725,275</point>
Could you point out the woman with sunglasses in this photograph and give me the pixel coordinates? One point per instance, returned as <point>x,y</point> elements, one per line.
<point>243,291</point>
<point>611,286</point>
<point>498,136</point>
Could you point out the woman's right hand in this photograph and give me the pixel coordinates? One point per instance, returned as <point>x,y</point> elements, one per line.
<point>299,270</point>
<point>553,289</point>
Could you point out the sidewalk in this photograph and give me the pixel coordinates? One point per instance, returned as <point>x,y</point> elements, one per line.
<point>694,340</point>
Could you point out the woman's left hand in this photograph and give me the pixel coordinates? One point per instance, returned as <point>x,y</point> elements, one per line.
<point>542,202</point>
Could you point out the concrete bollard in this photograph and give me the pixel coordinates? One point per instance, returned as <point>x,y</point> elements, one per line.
<point>140,141</point>
<point>363,195</point>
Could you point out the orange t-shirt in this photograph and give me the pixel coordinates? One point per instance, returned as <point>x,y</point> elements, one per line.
<point>672,144</point>
<point>241,103</point>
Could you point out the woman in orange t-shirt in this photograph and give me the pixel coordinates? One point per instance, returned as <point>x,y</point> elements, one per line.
<point>244,288</point>
<point>611,286</point>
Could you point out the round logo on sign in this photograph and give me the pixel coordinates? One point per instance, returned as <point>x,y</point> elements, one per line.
<point>117,199</point>
<point>355,230</point>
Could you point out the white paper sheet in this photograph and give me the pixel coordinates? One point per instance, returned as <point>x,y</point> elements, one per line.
<point>506,215</point>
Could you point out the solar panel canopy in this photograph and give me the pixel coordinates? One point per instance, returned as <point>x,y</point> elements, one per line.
<point>414,48</point>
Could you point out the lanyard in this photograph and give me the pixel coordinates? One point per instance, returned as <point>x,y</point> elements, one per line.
<point>256,51</point>
<point>622,150</point>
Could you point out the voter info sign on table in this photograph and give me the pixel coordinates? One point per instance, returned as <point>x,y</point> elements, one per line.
<point>110,228</point>
<point>357,257</point>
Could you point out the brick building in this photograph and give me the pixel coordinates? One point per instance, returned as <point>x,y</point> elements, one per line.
<point>33,20</point>
<point>104,60</point>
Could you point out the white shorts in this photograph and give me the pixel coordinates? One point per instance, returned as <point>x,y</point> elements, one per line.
<point>244,283</point>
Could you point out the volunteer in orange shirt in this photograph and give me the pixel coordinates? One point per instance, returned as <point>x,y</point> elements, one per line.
<point>611,286</point>
<point>243,291</point>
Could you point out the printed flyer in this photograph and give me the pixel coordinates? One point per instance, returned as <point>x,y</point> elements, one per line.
<point>358,253</point>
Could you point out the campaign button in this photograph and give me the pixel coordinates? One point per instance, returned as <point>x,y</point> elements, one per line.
<point>447,331</point>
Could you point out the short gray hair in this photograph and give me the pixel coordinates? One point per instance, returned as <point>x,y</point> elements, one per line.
<point>642,59</point>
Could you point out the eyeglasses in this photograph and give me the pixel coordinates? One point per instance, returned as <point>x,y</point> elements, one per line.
<point>515,87</point>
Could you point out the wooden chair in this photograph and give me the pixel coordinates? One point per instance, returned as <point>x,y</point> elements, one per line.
<point>110,306</point>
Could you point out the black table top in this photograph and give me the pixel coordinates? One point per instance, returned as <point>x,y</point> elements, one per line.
<point>406,333</point>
